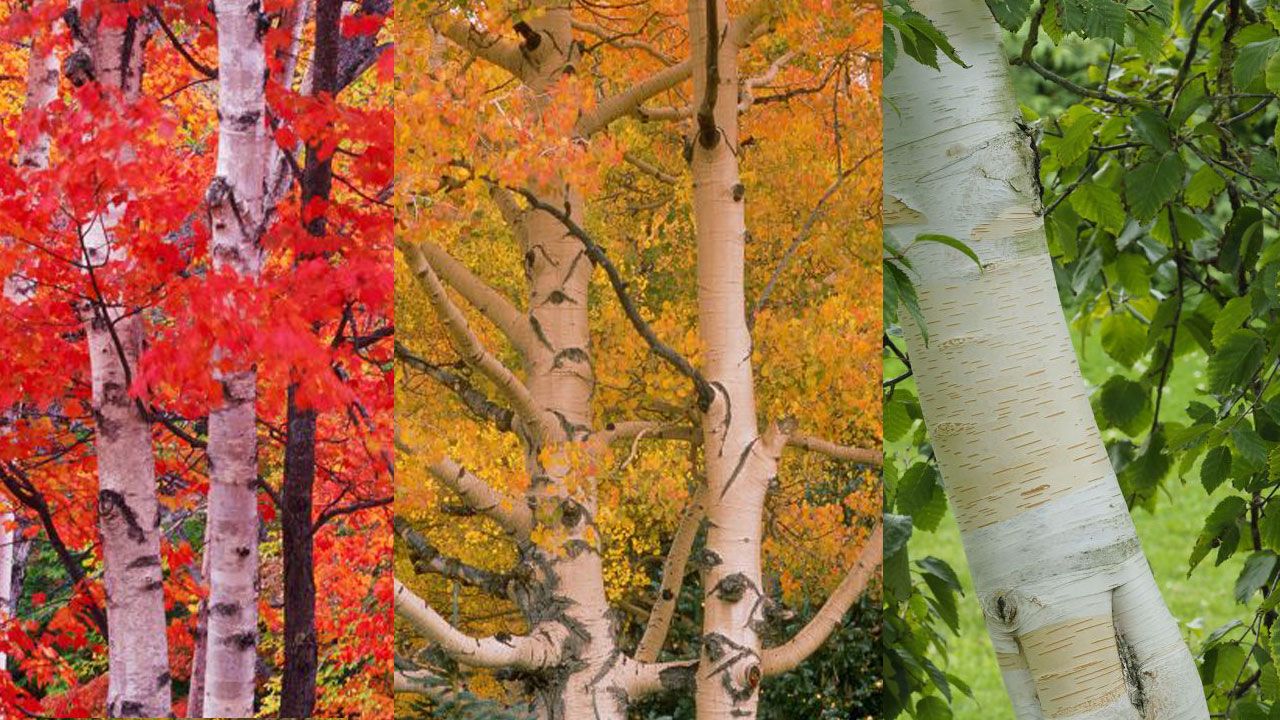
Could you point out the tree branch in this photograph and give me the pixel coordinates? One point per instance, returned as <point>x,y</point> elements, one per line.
<point>512,515</point>
<point>489,302</point>
<point>539,650</point>
<point>500,51</point>
<point>673,572</point>
<point>426,558</point>
<point>476,401</point>
<point>863,456</point>
<point>469,346</point>
<point>785,657</point>
<point>629,101</point>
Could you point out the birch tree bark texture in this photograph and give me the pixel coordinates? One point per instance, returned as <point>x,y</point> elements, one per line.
<point>128,515</point>
<point>1079,628</point>
<point>235,200</point>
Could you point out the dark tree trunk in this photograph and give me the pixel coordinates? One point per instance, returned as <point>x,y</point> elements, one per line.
<point>298,692</point>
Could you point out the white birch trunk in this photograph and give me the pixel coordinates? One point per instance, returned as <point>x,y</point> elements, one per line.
<point>1076,619</point>
<point>42,88</point>
<point>128,514</point>
<point>235,199</point>
<point>739,461</point>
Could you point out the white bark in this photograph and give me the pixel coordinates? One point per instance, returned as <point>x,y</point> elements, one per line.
<point>42,88</point>
<point>128,514</point>
<point>236,207</point>
<point>739,461</point>
<point>1075,616</point>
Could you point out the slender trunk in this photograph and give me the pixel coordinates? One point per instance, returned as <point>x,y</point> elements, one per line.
<point>560,379</point>
<point>298,690</point>
<point>1074,614</point>
<point>235,199</point>
<point>200,643</point>
<point>128,514</point>
<point>42,88</point>
<point>739,461</point>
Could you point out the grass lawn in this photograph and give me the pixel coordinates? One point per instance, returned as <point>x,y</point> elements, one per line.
<point>1201,602</point>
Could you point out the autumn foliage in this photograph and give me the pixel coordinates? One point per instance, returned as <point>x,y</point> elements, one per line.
<point>318,318</point>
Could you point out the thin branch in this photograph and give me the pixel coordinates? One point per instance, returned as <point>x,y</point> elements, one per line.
<point>862,456</point>
<point>781,659</point>
<point>492,304</point>
<point>469,345</point>
<point>673,572</point>
<point>426,558</point>
<point>541,649</point>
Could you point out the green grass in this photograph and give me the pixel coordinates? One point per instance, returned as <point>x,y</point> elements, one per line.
<point>1201,603</point>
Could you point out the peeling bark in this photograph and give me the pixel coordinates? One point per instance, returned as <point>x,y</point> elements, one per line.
<point>1074,614</point>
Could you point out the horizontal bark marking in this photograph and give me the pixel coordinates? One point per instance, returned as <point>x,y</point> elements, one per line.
<point>1075,665</point>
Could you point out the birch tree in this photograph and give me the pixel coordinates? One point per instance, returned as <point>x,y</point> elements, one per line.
<point>118,250</point>
<point>544,407</point>
<point>109,51</point>
<point>1073,611</point>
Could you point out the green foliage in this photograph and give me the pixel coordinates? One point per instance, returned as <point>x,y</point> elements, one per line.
<point>1159,178</point>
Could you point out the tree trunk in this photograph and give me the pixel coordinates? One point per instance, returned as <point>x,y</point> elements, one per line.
<point>739,462</point>
<point>128,514</point>
<point>298,689</point>
<point>235,199</point>
<point>1074,614</point>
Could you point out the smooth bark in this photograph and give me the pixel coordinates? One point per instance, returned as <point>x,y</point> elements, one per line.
<point>1077,621</point>
<point>236,207</point>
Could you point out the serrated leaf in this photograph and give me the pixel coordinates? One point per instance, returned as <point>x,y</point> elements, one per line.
<point>1124,338</point>
<point>1205,185</point>
<point>1215,468</point>
<point>1152,184</point>
<point>1099,204</point>
<point>1134,273</point>
<point>1236,360</point>
<point>1125,404</point>
<point>1010,13</point>
<point>1222,517</point>
<point>1252,60</point>
<point>1093,18</point>
<point>1230,318</point>
<point>1257,569</point>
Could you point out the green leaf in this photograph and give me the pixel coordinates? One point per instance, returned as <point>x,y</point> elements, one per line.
<point>904,291</point>
<point>1010,13</point>
<point>1215,468</point>
<point>1257,569</point>
<point>1078,124</point>
<point>1205,185</point>
<point>897,531</point>
<point>1231,318</point>
<point>1125,404</point>
<point>951,243</point>
<point>1152,128</point>
<point>1236,360</point>
<point>1220,520</point>
<point>1152,184</point>
<point>1134,272</point>
<point>1124,338</point>
<point>1093,18</point>
<point>1099,204</point>
<point>1252,60</point>
<point>932,707</point>
<point>1269,528</point>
